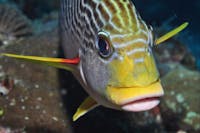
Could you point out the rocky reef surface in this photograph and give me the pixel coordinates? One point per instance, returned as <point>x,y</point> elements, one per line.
<point>41,99</point>
<point>180,105</point>
<point>34,100</point>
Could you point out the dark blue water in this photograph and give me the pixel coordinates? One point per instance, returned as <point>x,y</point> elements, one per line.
<point>158,12</point>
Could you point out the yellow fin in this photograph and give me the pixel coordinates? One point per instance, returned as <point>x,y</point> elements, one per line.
<point>54,62</point>
<point>171,33</point>
<point>88,104</point>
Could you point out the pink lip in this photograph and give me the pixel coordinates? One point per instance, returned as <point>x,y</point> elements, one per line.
<point>141,104</point>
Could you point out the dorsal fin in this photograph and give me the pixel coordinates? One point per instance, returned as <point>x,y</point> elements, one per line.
<point>171,33</point>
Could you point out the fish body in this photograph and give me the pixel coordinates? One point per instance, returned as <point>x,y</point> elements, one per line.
<point>108,48</point>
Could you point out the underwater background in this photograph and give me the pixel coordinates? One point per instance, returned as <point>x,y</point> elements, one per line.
<point>43,99</point>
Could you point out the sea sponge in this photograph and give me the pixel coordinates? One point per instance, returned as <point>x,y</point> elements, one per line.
<point>13,25</point>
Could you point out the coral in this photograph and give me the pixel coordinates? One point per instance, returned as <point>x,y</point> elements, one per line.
<point>13,24</point>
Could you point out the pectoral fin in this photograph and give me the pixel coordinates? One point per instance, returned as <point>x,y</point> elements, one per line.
<point>85,107</point>
<point>55,62</point>
<point>171,33</point>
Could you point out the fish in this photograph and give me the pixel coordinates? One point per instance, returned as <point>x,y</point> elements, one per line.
<point>108,48</point>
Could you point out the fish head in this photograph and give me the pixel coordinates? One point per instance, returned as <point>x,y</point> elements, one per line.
<point>121,71</point>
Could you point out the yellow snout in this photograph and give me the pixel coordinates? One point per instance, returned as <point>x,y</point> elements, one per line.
<point>134,86</point>
<point>121,96</point>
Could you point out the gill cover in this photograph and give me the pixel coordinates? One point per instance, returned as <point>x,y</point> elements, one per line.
<point>89,103</point>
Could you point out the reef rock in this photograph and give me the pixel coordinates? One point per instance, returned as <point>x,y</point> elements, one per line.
<point>180,105</point>
<point>34,101</point>
<point>173,53</point>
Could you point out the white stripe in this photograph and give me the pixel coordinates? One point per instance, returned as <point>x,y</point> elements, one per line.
<point>102,19</point>
<point>136,50</point>
<point>146,28</point>
<point>141,31</point>
<point>139,60</point>
<point>150,39</point>
<point>115,55</point>
<point>92,15</point>
<point>110,20</point>
<point>136,17</point>
<point>82,74</point>
<point>139,40</point>
<point>118,13</point>
<point>113,36</point>
<point>87,20</point>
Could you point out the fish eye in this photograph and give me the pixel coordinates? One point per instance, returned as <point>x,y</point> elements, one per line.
<point>103,45</point>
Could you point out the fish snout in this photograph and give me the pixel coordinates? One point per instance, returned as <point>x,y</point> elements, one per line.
<point>136,99</point>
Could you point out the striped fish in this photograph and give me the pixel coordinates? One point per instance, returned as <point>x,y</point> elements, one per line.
<point>108,48</point>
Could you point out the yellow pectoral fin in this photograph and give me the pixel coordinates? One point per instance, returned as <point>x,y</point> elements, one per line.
<point>54,62</point>
<point>85,107</point>
<point>171,33</point>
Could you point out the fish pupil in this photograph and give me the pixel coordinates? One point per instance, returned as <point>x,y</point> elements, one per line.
<point>104,48</point>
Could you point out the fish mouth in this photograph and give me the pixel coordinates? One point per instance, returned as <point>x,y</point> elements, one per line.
<point>143,104</point>
<point>136,99</point>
